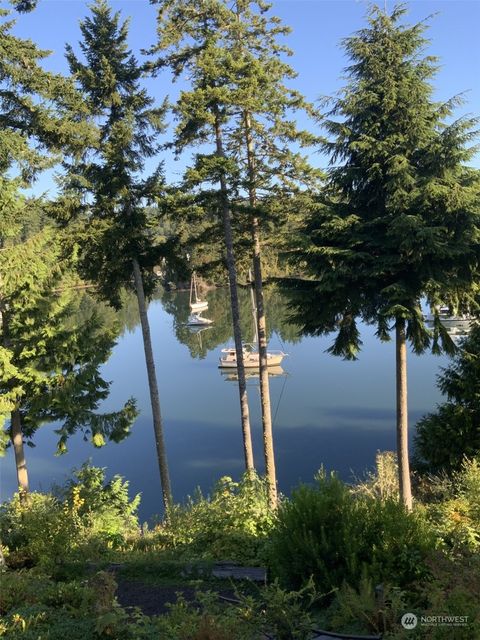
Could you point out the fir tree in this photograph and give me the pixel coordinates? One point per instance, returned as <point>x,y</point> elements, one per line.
<point>399,220</point>
<point>114,230</point>
<point>38,119</point>
<point>262,141</point>
<point>49,360</point>
<point>239,80</point>
<point>445,437</point>
<point>188,34</point>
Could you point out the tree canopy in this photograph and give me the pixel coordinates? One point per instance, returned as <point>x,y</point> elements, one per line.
<point>399,220</point>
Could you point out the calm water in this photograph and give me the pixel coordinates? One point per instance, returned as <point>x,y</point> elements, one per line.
<point>326,411</point>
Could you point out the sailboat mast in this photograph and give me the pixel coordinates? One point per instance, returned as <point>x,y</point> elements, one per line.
<point>254,308</point>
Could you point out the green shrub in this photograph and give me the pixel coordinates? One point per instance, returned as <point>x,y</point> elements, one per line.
<point>367,609</point>
<point>104,508</point>
<point>33,606</point>
<point>453,590</point>
<point>283,615</point>
<point>383,482</point>
<point>39,530</point>
<point>445,437</point>
<point>231,524</point>
<point>84,519</point>
<point>454,511</point>
<point>327,532</point>
<point>287,615</point>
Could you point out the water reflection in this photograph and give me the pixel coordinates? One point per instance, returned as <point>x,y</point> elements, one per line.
<point>325,410</point>
<point>279,327</point>
<point>232,376</point>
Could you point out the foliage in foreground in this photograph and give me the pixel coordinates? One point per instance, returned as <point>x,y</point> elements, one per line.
<point>230,524</point>
<point>445,436</point>
<point>88,516</point>
<point>454,508</point>
<point>33,605</point>
<point>368,558</point>
<point>327,532</point>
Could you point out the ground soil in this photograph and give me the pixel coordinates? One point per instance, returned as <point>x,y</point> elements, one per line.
<point>153,599</point>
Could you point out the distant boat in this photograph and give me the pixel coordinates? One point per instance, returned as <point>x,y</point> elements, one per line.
<point>462,322</point>
<point>251,355</point>
<point>196,304</point>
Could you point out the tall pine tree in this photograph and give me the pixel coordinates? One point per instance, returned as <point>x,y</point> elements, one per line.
<point>264,142</point>
<point>400,217</point>
<point>49,357</point>
<point>115,233</point>
<point>38,120</point>
<point>240,82</point>
<point>188,34</point>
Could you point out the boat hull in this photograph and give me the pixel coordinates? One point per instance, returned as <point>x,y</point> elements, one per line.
<point>252,361</point>
<point>198,306</point>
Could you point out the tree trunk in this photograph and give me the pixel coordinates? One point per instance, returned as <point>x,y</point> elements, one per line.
<point>237,333</point>
<point>402,415</point>
<point>153,387</point>
<point>268,450</point>
<point>17,441</point>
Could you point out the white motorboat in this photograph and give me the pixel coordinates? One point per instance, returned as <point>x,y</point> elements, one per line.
<point>273,372</point>
<point>196,305</point>
<point>462,322</point>
<point>251,357</point>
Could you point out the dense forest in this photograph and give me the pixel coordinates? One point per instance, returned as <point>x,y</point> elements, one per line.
<point>391,226</point>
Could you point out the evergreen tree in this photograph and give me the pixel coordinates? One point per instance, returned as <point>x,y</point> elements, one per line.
<point>239,72</point>
<point>114,231</point>
<point>49,360</point>
<point>262,141</point>
<point>188,35</point>
<point>399,221</point>
<point>445,437</point>
<point>38,119</point>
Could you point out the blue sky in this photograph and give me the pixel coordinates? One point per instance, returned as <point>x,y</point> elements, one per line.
<point>318,27</point>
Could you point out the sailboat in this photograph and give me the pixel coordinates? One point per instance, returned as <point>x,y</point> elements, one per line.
<point>196,305</point>
<point>251,355</point>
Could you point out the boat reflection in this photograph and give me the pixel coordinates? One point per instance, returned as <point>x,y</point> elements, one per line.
<point>232,375</point>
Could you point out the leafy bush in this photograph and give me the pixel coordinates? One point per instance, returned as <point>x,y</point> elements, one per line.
<point>367,609</point>
<point>327,532</point>
<point>86,517</point>
<point>282,614</point>
<point>38,530</point>
<point>453,589</point>
<point>231,524</point>
<point>383,483</point>
<point>455,509</point>
<point>33,606</point>
<point>104,508</point>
